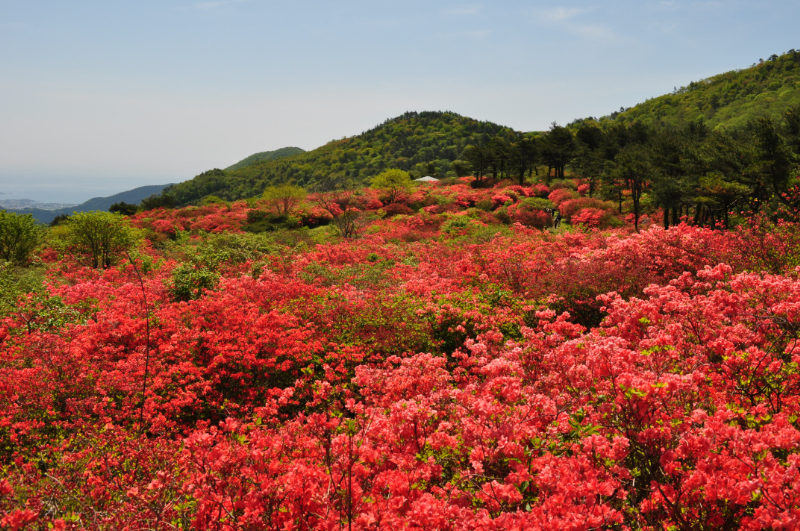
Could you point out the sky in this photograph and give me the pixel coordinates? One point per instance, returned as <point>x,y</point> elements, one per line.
<point>101,97</point>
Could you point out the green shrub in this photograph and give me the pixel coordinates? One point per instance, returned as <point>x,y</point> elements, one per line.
<point>536,203</point>
<point>99,238</point>
<point>484,204</point>
<point>19,236</point>
<point>189,283</point>
<point>502,215</point>
<point>454,224</point>
<point>563,183</point>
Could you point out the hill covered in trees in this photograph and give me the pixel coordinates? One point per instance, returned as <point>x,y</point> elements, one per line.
<point>436,143</point>
<point>727,100</point>
<point>425,143</point>
<point>265,156</point>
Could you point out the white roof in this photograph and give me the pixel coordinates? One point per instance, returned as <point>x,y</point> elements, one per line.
<point>427,179</point>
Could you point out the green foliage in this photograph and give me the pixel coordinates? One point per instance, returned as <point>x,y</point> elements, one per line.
<point>99,238</point>
<point>204,260</point>
<point>266,156</point>
<point>455,224</point>
<point>19,236</point>
<point>15,282</point>
<point>394,183</point>
<point>727,100</point>
<point>212,200</point>
<point>485,205</point>
<point>284,198</point>
<point>216,250</point>
<point>536,203</point>
<point>59,220</point>
<point>563,183</point>
<point>189,283</point>
<point>558,147</point>
<point>126,209</point>
<point>503,216</point>
<point>162,200</point>
<point>408,142</point>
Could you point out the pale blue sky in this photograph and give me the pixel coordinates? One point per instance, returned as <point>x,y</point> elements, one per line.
<point>100,97</point>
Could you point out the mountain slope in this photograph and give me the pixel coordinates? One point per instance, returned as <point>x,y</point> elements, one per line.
<point>726,100</point>
<point>97,203</point>
<point>130,196</point>
<point>265,156</point>
<point>409,142</point>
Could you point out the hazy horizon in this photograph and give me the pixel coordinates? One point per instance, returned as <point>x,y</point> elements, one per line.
<point>98,98</point>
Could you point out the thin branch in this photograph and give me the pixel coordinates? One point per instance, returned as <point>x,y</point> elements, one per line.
<point>147,335</point>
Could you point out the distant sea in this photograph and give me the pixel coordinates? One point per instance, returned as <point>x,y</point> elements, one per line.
<point>70,190</point>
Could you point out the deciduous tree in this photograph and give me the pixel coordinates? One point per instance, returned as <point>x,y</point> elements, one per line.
<point>19,236</point>
<point>393,184</point>
<point>285,198</point>
<point>99,237</point>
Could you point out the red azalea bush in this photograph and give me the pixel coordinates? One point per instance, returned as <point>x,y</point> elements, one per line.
<point>530,217</point>
<point>591,217</point>
<point>540,190</point>
<point>570,207</point>
<point>396,209</point>
<point>501,199</point>
<point>560,195</point>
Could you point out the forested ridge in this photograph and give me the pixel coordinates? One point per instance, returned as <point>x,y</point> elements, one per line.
<point>425,143</point>
<point>264,156</point>
<point>729,100</point>
<point>436,143</point>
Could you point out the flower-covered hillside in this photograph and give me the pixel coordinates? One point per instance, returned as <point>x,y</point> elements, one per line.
<point>452,365</point>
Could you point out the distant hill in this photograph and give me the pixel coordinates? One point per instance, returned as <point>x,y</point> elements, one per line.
<point>409,142</point>
<point>265,156</point>
<point>726,100</point>
<point>96,203</point>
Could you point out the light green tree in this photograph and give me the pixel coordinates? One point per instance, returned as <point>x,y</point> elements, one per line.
<point>19,236</point>
<point>99,237</point>
<point>394,183</point>
<point>285,197</point>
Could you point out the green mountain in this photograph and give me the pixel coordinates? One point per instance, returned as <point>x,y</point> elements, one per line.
<point>429,142</point>
<point>265,156</point>
<point>424,142</point>
<point>728,100</point>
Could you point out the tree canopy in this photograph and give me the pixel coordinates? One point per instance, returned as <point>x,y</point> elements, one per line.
<point>393,183</point>
<point>19,236</point>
